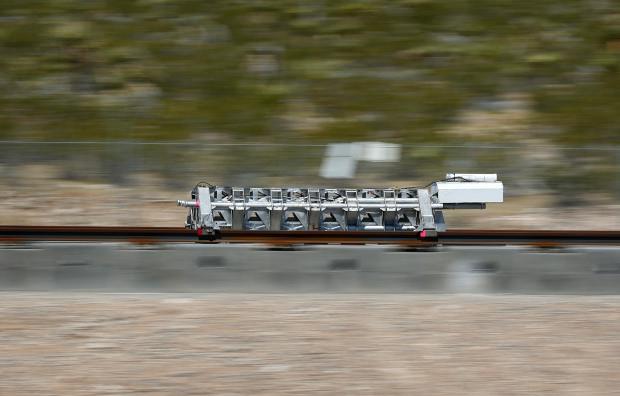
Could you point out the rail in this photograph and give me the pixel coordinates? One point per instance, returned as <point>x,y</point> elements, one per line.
<point>543,238</point>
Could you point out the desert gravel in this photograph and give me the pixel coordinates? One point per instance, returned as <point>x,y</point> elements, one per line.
<point>338,344</point>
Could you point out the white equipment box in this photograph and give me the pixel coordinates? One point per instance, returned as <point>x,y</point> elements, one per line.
<point>473,192</point>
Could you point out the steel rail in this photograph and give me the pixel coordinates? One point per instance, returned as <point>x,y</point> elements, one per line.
<point>544,238</point>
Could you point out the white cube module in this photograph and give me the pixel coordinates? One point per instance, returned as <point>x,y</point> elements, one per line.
<point>468,188</point>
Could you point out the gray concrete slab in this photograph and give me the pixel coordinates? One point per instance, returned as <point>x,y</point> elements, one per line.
<point>117,267</point>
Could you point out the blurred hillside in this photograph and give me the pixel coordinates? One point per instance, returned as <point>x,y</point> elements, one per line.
<point>407,70</point>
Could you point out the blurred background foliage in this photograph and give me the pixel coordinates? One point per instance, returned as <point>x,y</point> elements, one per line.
<point>320,70</point>
<point>407,71</point>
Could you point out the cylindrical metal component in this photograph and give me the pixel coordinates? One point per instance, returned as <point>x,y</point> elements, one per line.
<point>187,204</point>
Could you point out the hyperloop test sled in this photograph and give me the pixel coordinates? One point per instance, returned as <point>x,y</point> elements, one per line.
<point>415,209</point>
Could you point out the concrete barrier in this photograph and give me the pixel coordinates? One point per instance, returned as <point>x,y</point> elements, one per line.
<point>114,267</point>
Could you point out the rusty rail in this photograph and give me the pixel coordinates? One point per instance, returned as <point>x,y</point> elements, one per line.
<point>543,238</point>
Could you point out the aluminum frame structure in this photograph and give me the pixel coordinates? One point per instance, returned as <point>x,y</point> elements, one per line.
<point>213,208</point>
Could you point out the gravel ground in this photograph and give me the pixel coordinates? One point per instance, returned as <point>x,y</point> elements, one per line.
<point>229,344</point>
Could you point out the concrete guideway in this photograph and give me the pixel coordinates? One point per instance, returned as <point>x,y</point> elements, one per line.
<point>123,267</point>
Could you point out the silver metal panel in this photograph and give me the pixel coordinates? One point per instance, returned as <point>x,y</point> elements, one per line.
<point>427,219</point>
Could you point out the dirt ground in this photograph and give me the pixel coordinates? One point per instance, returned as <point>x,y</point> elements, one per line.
<point>237,344</point>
